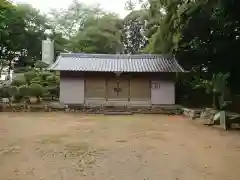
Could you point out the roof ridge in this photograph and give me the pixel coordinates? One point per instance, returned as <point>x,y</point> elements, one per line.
<point>116,56</point>
<point>116,62</point>
<point>54,65</point>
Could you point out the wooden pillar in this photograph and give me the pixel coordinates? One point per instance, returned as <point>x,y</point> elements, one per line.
<point>129,84</point>
<point>106,93</point>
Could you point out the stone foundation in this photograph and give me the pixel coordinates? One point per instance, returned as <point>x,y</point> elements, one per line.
<point>192,113</point>
<point>50,107</point>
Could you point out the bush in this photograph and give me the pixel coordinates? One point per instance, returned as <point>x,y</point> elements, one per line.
<point>22,69</point>
<point>4,92</point>
<point>36,90</point>
<point>41,65</point>
<point>45,75</point>
<point>19,82</point>
<point>53,80</point>
<point>18,97</point>
<point>36,80</point>
<point>24,91</point>
<point>29,76</point>
<point>53,91</point>
<point>13,90</point>
<point>8,92</point>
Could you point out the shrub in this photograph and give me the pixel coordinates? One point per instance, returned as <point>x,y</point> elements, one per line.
<point>24,91</point>
<point>4,92</point>
<point>29,76</point>
<point>13,90</point>
<point>36,90</point>
<point>41,65</point>
<point>18,97</point>
<point>45,75</point>
<point>8,92</point>
<point>53,80</point>
<point>36,80</point>
<point>53,91</point>
<point>22,69</point>
<point>19,82</point>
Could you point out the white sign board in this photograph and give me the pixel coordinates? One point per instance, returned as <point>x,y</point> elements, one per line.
<point>47,51</point>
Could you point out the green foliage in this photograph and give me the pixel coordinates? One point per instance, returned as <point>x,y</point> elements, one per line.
<point>69,20</point>
<point>53,80</point>
<point>134,28</point>
<point>19,82</point>
<point>219,82</point>
<point>8,91</point>
<point>130,5</point>
<point>163,32</point>
<point>29,76</point>
<point>217,87</point>
<point>203,36</point>
<point>45,74</point>
<point>13,90</point>
<point>99,35</point>
<point>22,69</point>
<point>53,91</point>
<point>22,29</point>
<point>18,97</point>
<point>41,65</point>
<point>4,92</point>
<point>36,90</point>
<point>37,80</point>
<point>24,91</point>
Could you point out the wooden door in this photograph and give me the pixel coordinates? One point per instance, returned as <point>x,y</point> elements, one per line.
<point>140,90</point>
<point>95,88</point>
<point>118,89</point>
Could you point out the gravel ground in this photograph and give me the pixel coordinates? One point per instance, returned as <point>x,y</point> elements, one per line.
<point>55,146</point>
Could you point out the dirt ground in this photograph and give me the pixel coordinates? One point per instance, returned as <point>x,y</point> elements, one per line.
<point>59,146</point>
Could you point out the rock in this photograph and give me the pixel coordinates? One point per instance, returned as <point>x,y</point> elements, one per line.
<point>208,113</point>
<point>5,100</point>
<point>33,100</point>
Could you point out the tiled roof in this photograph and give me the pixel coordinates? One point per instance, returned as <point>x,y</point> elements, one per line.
<point>115,63</point>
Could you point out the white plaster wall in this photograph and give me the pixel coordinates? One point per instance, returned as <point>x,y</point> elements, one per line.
<point>72,90</point>
<point>164,94</point>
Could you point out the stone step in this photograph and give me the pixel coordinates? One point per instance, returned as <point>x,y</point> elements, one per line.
<point>115,110</point>
<point>117,113</point>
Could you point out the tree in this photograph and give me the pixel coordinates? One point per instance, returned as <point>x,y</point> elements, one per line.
<point>68,21</point>
<point>21,27</point>
<point>11,29</point>
<point>8,92</point>
<point>35,27</point>
<point>20,81</point>
<point>3,63</point>
<point>209,39</point>
<point>130,5</point>
<point>217,87</point>
<point>203,35</point>
<point>41,65</point>
<point>24,92</point>
<point>134,38</point>
<point>99,35</point>
<point>36,90</point>
<point>29,76</point>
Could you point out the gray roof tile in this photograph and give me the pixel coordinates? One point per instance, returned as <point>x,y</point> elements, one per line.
<point>115,63</point>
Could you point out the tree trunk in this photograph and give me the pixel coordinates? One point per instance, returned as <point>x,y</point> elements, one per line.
<point>10,101</point>
<point>9,67</point>
<point>216,104</point>
<point>38,99</point>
